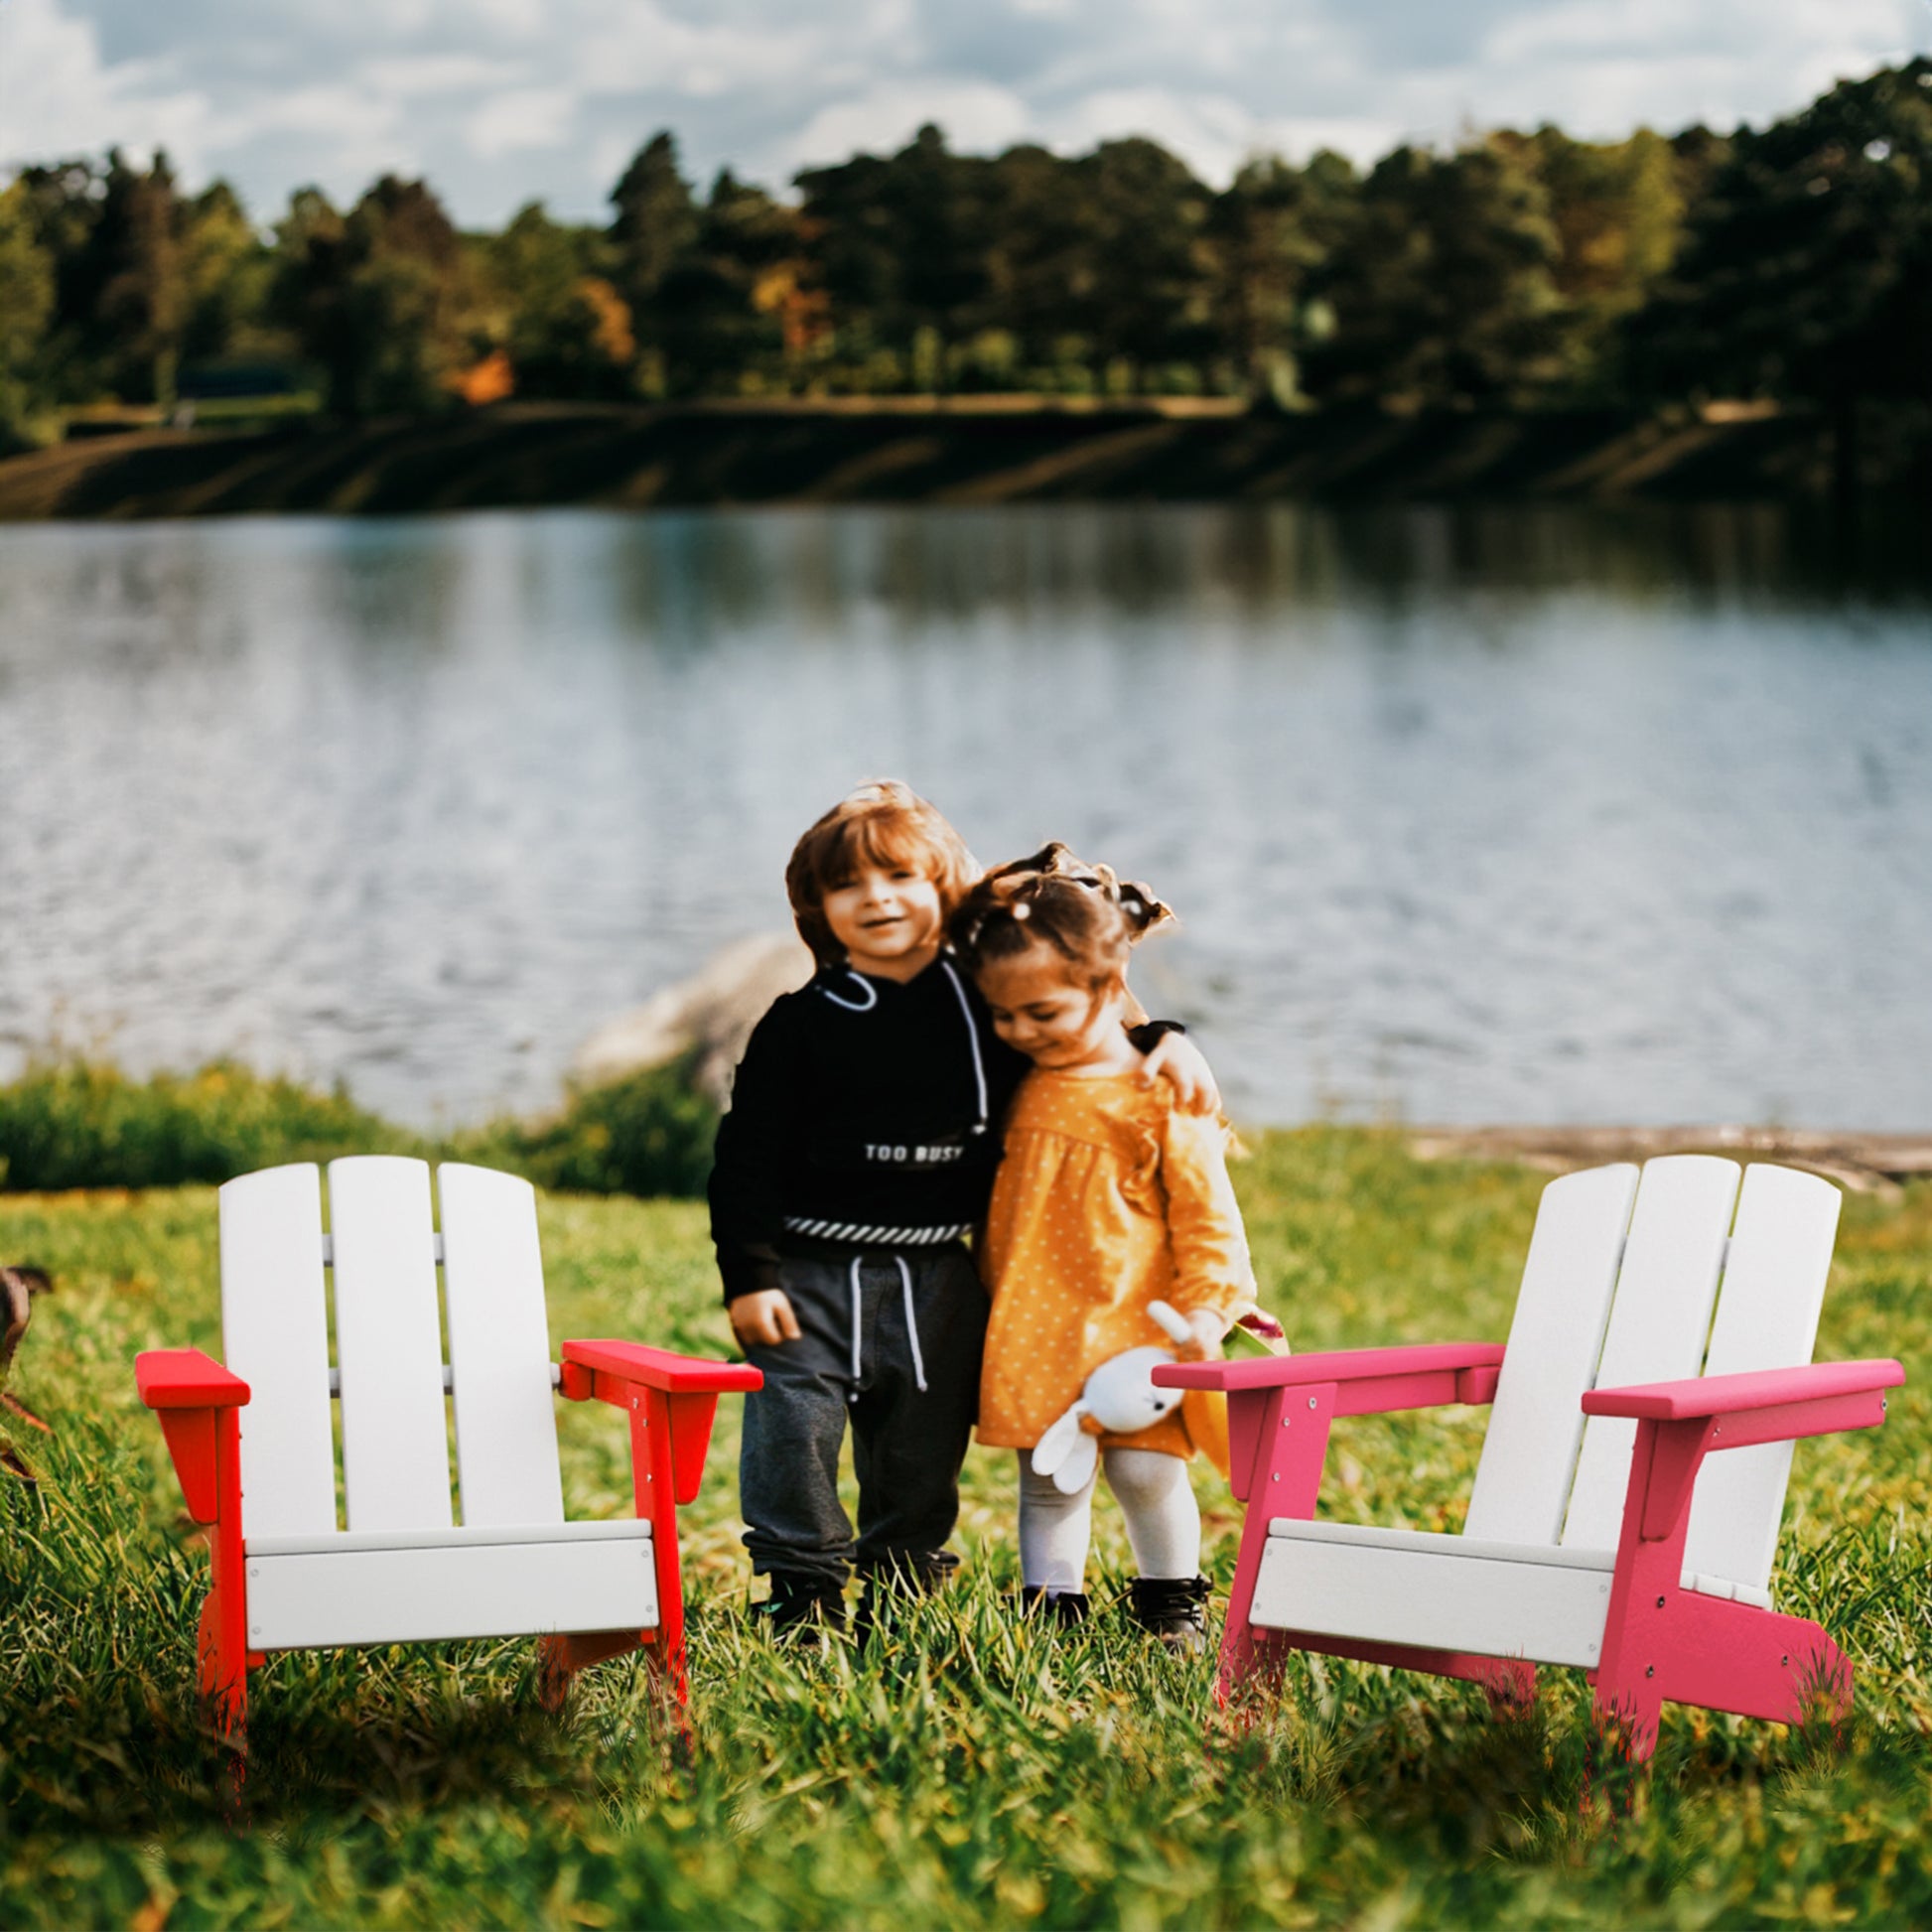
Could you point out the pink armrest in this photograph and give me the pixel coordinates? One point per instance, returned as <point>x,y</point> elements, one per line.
<point>1729,1395</point>
<point>185,1378</point>
<point>659,1368</point>
<point>1339,1365</point>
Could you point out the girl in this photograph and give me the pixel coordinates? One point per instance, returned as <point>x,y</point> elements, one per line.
<point>1107,1199</point>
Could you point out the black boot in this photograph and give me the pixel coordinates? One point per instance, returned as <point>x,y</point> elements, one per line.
<point>1066,1608</point>
<point>800,1607</point>
<point>1171,1608</point>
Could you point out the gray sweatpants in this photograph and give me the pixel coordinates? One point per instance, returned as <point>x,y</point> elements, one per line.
<point>875,1322</point>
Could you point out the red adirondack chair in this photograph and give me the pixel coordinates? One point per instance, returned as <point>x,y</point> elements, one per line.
<point>252,1441</point>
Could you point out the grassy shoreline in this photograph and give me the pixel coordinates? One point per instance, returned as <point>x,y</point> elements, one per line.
<point>977,1771</point>
<point>964,450</point>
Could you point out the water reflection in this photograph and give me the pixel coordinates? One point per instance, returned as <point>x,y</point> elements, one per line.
<point>1540,813</point>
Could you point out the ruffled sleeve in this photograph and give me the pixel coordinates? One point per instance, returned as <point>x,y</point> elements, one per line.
<point>1210,1248</point>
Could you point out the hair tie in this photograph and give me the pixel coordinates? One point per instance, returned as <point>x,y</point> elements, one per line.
<point>1023,910</point>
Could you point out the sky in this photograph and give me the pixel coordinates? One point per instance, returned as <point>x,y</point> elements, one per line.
<point>498,103</point>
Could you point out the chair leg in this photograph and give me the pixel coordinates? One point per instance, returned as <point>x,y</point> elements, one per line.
<point>223,1672</point>
<point>561,1657</point>
<point>1509,1683</point>
<point>223,1638</point>
<point>1663,1641</point>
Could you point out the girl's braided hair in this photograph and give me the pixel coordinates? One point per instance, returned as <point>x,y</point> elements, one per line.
<point>1084,912</point>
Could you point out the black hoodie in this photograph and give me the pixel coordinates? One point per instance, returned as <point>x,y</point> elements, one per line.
<point>865,1111</point>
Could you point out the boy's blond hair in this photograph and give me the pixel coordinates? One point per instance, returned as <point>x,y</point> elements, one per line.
<point>884,824</point>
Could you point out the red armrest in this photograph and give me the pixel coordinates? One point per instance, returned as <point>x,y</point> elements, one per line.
<point>659,1368</point>
<point>185,1378</point>
<point>1339,1365</point>
<point>1729,1394</point>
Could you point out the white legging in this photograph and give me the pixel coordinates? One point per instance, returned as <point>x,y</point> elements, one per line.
<point>1155,1496</point>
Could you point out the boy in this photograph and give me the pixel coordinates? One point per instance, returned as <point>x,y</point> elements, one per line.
<point>856,1155</point>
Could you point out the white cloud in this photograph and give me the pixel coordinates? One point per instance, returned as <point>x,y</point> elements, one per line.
<point>535,118</point>
<point>1210,133</point>
<point>438,73</point>
<point>642,48</point>
<point>58,96</point>
<point>975,119</point>
<point>501,101</point>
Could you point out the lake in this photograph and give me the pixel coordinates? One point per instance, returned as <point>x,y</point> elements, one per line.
<point>1514,813</point>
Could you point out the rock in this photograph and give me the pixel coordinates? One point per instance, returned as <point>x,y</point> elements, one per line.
<point>713,1012</point>
<point>1865,1164</point>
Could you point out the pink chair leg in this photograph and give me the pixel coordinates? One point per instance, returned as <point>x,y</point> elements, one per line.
<point>1662,1641</point>
<point>1279,1440</point>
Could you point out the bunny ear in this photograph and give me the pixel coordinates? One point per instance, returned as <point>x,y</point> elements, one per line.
<point>1172,1322</point>
<point>1076,1468</point>
<point>1051,1448</point>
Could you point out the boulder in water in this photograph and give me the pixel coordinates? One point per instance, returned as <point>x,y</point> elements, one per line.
<point>709,1016</point>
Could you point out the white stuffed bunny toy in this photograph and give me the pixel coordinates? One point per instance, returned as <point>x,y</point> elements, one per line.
<point>1119,1398</point>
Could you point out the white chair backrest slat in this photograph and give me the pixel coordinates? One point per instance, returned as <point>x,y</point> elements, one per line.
<point>1659,1323</point>
<point>275,1336</point>
<point>1536,1423</point>
<point>388,1345</point>
<point>1768,1318</point>
<point>499,1349</point>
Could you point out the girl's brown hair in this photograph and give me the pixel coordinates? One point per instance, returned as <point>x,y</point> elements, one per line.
<point>1084,912</point>
<point>887,824</point>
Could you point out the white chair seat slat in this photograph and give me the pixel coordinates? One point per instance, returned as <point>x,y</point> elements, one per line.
<point>275,1336</point>
<point>1536,1421</point>
<point>1768,1318</point>
<point>525,1536</point>
<point>1443,1592</point>
<point>1659,1321</point>
<point>499,1349</point>
<point>453,1588</point>
<point>388,1345</point>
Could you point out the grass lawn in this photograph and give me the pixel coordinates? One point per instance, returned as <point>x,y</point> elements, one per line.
<point>970,1771</point>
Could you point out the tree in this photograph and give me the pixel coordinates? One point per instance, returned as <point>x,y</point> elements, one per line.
<point>1807,273</point>
<point>143,301</point>
<point>1617,208</point>
<point>726,306</point>
<point>113,234</point>
<point>1441,283</point>
<point>566,328</point>
<point>1269,233</point>
<point>1042,265</point>
<point>64,202</point>
<point>377,297</point>
<point>228,275</point>
<point>901,247</point>
<point>26,310</point>
<point>651,235</point>
<point>1148,286</point>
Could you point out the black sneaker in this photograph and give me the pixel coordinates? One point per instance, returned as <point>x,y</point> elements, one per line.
<point>800,1608</point>
<point>1066,1608</point>
<point>1171,1608</point>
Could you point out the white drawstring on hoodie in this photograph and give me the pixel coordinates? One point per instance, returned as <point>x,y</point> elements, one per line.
<point>911,1327</point>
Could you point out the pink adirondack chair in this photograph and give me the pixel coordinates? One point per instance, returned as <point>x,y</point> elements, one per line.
<point>252,1442</point>
<point>1626,1507</point>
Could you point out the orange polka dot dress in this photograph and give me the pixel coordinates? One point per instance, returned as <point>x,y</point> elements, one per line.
<point>1107,1199</point>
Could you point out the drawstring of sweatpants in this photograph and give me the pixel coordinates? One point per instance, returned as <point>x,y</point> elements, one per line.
<point>911,1327</point>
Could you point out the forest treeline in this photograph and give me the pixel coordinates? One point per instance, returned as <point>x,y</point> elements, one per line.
<point>1789,264</point>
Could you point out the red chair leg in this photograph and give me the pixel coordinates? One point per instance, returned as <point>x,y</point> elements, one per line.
<point>561,1657</point>
<point>223,1638</point>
